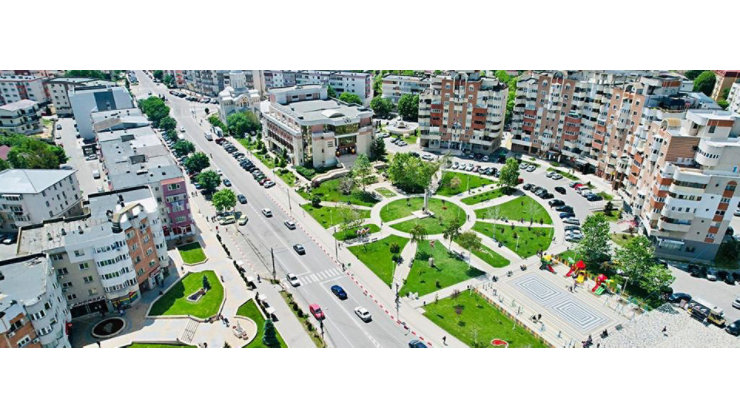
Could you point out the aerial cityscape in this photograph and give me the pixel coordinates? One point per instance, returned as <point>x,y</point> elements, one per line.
<point>369,208</point>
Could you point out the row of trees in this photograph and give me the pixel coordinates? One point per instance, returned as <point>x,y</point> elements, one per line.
<point>157,112</point>
<point>30,153</point>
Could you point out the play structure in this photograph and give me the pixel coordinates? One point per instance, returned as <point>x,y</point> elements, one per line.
<point>578,270</point>
<point>599,288</point>
<point>546,263</point>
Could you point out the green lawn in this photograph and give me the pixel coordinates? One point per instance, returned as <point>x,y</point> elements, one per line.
<point>448,270</point>
<point>478,320</point>
<point>287,176</point>
<point>157,345</point>
<point>329,191</point>
<point>401,208</point>
<point>192,253</point>
<point>329,216</point>
<point>613,215</point>
<point>485,196</point>
<point>569,254</point>
<point>621,239</point>
<point>174,302</point>
<point>531,239</point>
<point>467,182</point>
<point>385,192</point>
<point>251,310</point>
<point>351,233</point>
<point>606,196</point>
<point>410,139</point>
<point>378,257</point>
<point>524,207</point>
<point>444,213</point>
<point>565,174</point>
<point>490,257</point>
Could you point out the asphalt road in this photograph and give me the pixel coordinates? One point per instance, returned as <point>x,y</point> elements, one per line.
<point>73,149</point>
<point>316,270</point>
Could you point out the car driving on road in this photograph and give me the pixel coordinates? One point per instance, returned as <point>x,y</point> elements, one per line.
<point>316,312</point>
<point>339,292</point>
<point>290,224</point>
<point>267,212</point>
<point>416,343</point>
<point>293,279</point>
<point>363,314</point>
<point>299,249</point>
<point>242,199</point>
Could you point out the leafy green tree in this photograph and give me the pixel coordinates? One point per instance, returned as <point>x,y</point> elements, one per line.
<point>167,123</point>
<point>470,241</point>
<point>692,74</point>
<point>408,107</point>
<point>169,80</point>
<point>223,200</point>
<point>723,103</point>
<point>241,123</point>
<point>656,279</point>
<point>155,109</point>
<point>381,106</point>
<point>4,165</point>
<point>410,173</point>
<point>378,85</point>
<point>452,231</point>
<point>418,233</point>
<point>705,82</point>
<point>350,98</point>
<point>437,72</point>
<point>269,338</point>
<point>158,74</point>
<point>350,217</point>
<point>97,74</point>
<point>362,170</point>
<point>728,253</point>
<point>183,147</point>
<point>377,149</point>
<point>316,201</point>
<point>197,162</point>
<point>331,92</point>
<point>509,176</point>
<point>594,248</point>
<point>30,153</point>
<point>206,284</point>
<point>724,93</point>
<point>172,134</point>
<point>209,180</point>
<point>635,258</point>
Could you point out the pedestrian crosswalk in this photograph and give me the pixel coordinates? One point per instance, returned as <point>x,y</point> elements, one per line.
<point>320,276</point>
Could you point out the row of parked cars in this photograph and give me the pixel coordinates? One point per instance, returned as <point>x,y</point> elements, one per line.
<point>257,173</point>
<point>470,167</point>
<point>193,98</point>
<point>527,167</point>
<point>700,271</point>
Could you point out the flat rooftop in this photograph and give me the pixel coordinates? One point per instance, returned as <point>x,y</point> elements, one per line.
<point>18,105</point>
<point>24,278</point>
<point>323,110</point>
<point>31,181</point>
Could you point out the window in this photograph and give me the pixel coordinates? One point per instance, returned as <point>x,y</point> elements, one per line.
<point>23,342</point>
<point>57,257</point>
<point>62,271</point>
<point>84,266</point>
<point>79,253</point>
<point>71,296</point>
<point>88,279</point>
<point>712,129</point>
<point>66,285</point>
<point>92,291</point>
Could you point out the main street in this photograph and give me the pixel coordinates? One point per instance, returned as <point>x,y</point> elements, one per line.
<point>316,270</point>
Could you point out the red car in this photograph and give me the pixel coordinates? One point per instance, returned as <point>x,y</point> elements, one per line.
<point>521,180</point>
<point>316,311</point>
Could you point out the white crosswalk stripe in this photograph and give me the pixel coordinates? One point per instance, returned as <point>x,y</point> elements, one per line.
<point>320,276</point>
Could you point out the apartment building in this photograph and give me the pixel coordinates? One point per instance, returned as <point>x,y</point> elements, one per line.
<point>686,183</point>
<point>23,116</point>
<point>33,311</point>
<point>29,196</point>
<point>313,129</point>
<point>107,257</point>
<point>87,100</point>
<point>178,75</point>
<point>22,87</point>
<point>359,83</point>
<point>395,86</point>
<point>60,88</point>
<point>462,111</point>
<point>136,157</point>
<point>734,98</point>
<point>277,79</point>
<point>724,79</point>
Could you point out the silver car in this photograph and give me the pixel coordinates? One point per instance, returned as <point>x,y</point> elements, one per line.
<point>363,314</point>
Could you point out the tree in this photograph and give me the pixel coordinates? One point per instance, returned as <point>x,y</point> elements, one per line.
<point>224,200</point>
<point>172,134</point>
<point>183,147</point>
<point>31,153</point>
<point>470,241</point>
<point>705,82</point>
<point>331,92</point>
<point>241,123</point>
<point>728,253</point>
<point>377,149</point>
<point>410,173</point>
<point>209,180</point>
<point>350,98</point>
<point>608,207</point>
<point>169,80</point>
<point>408,107</point>
<point>167,123</point>
<point>347,184</point>
<point>350,217</point>
<point>206,284</point>
<point>455,183</point>
<point>723,103</point>
<point>381,106</point>
<point>158,74</point>
<point>656,279</point>
<point>418,233</point>
<point>316,201</point>
<point>4,165</point>
<point>378,85</point>
<point>197,162</point>
<point>362,170</point>
<point>509,176</point>
<point>269,338</point>
<point>692,74</point>
<point>155,109</point>
<point>452,231</point>
<point>594,247</point>
<point>215,121</point>
<point>635,258</point>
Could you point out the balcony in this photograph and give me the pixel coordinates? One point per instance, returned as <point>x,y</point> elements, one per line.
<point>674,225</point>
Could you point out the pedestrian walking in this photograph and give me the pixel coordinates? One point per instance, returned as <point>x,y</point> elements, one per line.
<point>98,342</point>
<point>444,340</point>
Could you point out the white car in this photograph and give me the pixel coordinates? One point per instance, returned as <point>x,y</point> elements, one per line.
<point>293,279</point>
<point>91,157</point>
<point>427,157</point>
<point>363,314</point>
<point>267,212</point>
<point>290,224</point>
<point>182,128</point>
<point>219,172</point>
<point>736,303</point>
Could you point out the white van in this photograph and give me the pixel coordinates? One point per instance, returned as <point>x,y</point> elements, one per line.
<point>96,174</point>
<point>209,136</point>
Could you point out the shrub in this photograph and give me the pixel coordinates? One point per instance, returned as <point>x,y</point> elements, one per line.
<point>308,173</point>
<point>316,201</point>
<point>395,248</point>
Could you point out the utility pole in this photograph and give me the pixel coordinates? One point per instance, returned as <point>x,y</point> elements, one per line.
<point>290,208</point>
<point>272,254</point>
<point>336,248</point>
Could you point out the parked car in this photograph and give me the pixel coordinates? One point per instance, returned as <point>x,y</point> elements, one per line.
<point>571,227</point>
<point>677,297</point>
<point>556,203</point>
<point>594,197</point>
<point>227,182</point>
<point>416,343</point>
<point>299,249</point>
<point>531,168</point>
<point>561,190</point>
<point>564,209</point>
<point>268,184</point>
<point>267,212</point>
<point>711,277</point>
<point>736,302</point>
<point>316,312</point>
<point>363,314</point>
<point>339,292</point>
<point>293,279</point>
<point>733,328</point>
<point>226,220</point>
<point>243,219</point>
<point>572,220</point>
<point>290,224</point>
<point>698,272</point>
<point>527,186</point>
<point>242,199</point>
<point>722,275</point>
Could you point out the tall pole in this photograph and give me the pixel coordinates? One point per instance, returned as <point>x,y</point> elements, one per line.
<point>272,254</point>
<point>290,208</point>
<point>336,247</point>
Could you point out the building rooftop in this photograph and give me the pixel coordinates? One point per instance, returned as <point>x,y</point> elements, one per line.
<point>118,119</point>
<point>295,88</point>
<point>70,80</point>
<point>404,78</point>
<point>18,105</point>
<point>326,110</point>
<point>31,181</point>
<point>24,278</point>
<point>14,77</point>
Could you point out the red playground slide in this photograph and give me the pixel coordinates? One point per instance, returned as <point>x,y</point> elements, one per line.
<point>572,270</point>
<point>599,280</point>
<point>549,268</point>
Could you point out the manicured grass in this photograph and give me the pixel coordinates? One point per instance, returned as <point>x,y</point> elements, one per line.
<point>490,257</point>
<point>613,215</point>
<point>478,320</point>
<point>157,345</point>
<point>524,207</point>
<point>606,196</point>
<point>467,182</point>
<point>565,174</point>
<point>448,270</point>
<point>531,239</point>
<point>175,301</point>
<point>444,213</point>
<point>192,253</point>
<point>352,233</point>
<point>329,216</point>
<point>621,239</point>
<point>485,196</point>
<point>252,311</point>
<point>410,139</point>
<point>385,192</point>
<point>569,254</point>
<point>378,257</point>
<point>286,176</point>
<point>329,191</point>
<point>401,208</point>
